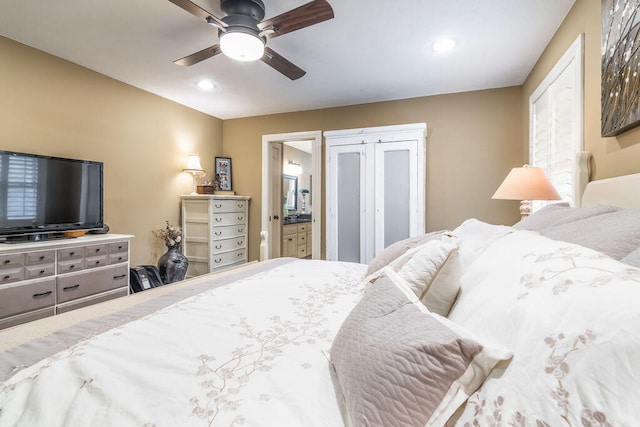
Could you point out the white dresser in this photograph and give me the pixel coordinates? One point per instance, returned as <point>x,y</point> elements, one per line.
<point>215,232</point>
<point>44,278</point>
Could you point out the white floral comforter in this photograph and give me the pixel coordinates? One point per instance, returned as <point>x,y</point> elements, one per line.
<point>570,315</point>
<point>249,353</point>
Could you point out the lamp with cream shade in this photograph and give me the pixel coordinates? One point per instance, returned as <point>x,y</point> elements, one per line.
<point>525,184</point>
<point>195,169</point>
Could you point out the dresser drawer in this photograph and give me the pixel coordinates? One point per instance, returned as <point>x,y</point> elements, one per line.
<point>39,257</point>
<point>227,258</point>
<point>118,247</point>
<point>39,270</point>
<point>232,218</point>
<point>229,205</point>
<point>96,250</point>
<point>118,257</point>
<point>96,261</point>
<point>302,238</point>
<point>228,231</point>
<point>91,282</point>
<point>11,260</point>
<point>70,253</point>
<point>227,245</point>
<point>18,299</point>
<point>302,228</point>
<point>70,265</point>
<point>11,274</point>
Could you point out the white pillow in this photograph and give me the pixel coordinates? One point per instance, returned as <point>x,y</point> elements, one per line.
<point>432,273</point>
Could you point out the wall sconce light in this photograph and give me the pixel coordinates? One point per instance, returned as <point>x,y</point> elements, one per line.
<point>293,168</point>
<point>526,184</point>
<point>194,168</point>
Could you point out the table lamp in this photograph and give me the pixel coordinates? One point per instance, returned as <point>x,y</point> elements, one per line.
<point>526,184</point>
<point>194,168</point>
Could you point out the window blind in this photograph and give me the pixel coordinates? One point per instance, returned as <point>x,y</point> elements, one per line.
<point>555,124</point>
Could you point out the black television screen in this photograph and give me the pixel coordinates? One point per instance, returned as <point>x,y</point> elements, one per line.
<point>41,194</point>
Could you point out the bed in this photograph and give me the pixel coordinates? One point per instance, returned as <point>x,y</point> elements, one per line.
<point>484,325</point>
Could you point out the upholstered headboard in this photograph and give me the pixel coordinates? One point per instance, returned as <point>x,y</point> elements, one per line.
<point>623,191</point>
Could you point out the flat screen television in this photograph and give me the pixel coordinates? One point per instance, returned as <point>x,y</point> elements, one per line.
<point>43,195</point>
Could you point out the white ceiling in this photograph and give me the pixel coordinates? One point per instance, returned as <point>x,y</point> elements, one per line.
<point>373,50</point>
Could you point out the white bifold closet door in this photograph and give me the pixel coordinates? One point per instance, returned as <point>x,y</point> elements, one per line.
<point>375,197</point>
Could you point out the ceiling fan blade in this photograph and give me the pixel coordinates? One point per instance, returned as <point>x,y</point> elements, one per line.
<point>279,63</point>
<point>194,58</point>
<point>199,12</point>
<point>308,14</point>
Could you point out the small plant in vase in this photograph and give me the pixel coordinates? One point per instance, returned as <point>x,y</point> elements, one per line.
<point>172,265</point>
<point>304,193</point>
<point>171,234</point>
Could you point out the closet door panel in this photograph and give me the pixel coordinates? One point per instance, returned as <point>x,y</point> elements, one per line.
<point>346,230</point>
<point>396,196</point>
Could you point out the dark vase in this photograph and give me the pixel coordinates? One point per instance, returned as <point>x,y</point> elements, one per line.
<point>172,265</point>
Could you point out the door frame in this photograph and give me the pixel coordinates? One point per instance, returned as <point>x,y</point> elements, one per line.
<point>316,195</point>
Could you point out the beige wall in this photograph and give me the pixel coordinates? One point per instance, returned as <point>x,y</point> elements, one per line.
<point>611,156</point>
<point>474,139</point>
<point>53,107</point>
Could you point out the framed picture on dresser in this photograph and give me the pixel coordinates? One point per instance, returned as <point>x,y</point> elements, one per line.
<point>223,173</point>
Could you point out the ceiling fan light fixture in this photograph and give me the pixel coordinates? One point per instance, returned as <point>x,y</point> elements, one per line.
<point>443,45</point>
<point>241,46</point>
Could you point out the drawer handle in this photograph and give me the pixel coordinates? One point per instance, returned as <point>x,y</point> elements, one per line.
<point>70,288</point>
<point>42,294</point>
<point>7,261</point>
<point>240,254</point>
<point>41,272</point>
<point>218,219</point>
<point>240,205</point>
<point>97,250</point>
<point>218,246</point>
<point>41,257</point>
<point>240,218</point>
<point>217,261</point>
<point>72,266</point>
<point>218,205</point>
<point>119,258</point>
<point>240,242</point>
<point>97,262</point>
<point>290,239</point>
<point>121,276</point>
<point>240,230</point>
<point>218,233</point>
<point>119,247</point>
<point>7,277</point>
<point>72,253</point>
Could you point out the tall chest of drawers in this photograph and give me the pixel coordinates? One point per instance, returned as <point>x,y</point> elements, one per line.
<point>41,279</point>
<point>215,232</point>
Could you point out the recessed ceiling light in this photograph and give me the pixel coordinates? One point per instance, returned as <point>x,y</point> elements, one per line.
<point>443,45</point>
<point>205,85</point>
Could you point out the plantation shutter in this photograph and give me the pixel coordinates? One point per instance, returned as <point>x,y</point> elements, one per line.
<point>555,124</point>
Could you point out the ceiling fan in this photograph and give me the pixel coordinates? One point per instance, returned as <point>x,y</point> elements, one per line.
<point>243,34</point>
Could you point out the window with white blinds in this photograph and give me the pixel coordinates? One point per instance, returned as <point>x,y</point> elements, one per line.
<point>555,123</point>
<point>19,187</point>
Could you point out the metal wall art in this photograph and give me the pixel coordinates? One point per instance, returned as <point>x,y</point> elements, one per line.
<point>620,96</point>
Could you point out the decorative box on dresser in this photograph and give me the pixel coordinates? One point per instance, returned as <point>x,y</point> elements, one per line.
<point>41,279</point>
<point>215,232</point>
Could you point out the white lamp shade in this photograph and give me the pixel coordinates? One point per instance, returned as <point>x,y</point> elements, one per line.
<point>526,183</point>
<point>241,46</point>
<point>193,164</point>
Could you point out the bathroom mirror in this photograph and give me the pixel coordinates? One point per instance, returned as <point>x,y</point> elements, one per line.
<point>290,192</point>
